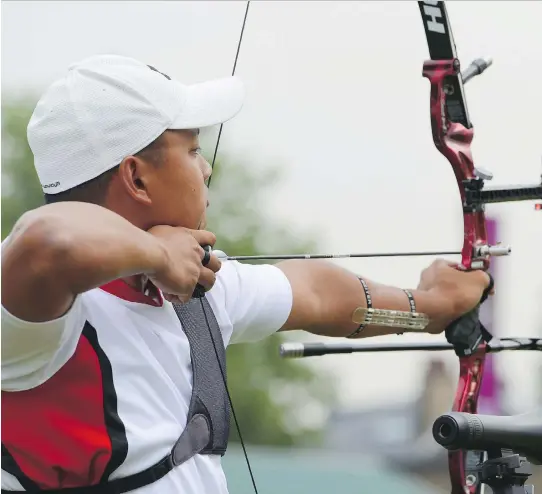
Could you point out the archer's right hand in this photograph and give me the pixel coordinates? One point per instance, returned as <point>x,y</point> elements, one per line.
<point>183,268</point>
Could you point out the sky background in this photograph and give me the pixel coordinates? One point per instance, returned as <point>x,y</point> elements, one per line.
<point>335,97</point>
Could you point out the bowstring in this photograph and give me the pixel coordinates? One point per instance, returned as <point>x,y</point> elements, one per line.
<point>222,371</point>
<point>232,74</point>
<point>229,399</point>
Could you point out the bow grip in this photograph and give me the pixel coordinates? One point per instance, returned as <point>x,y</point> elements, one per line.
<point>467,332</point>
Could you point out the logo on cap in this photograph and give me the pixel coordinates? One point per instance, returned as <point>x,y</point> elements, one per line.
<point>52,185</point>
<point>156,70</point>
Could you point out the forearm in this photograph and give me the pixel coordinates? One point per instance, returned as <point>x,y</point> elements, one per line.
<point>326,296</point>
<point>64,249</point>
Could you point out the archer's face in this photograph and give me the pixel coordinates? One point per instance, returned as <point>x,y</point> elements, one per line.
<point>177,186</point>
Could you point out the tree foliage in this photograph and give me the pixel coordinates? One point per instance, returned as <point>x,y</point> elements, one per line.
<point>21,189</point>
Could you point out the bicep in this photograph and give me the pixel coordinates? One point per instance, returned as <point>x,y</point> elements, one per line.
<point>33,351</point>
<point>305,301</point>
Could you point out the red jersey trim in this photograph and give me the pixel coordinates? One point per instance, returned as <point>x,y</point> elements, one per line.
<point>67,431</point>
<point>121,289</point>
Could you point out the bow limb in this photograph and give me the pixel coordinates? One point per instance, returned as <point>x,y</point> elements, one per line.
<point>452,135</point>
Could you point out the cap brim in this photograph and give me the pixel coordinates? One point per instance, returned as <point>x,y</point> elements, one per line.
<point>210,103</point>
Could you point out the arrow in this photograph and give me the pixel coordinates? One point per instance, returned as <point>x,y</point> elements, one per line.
<point>224,257</point>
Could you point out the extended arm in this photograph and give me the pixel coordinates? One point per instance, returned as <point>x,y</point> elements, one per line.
<point>325,297</point>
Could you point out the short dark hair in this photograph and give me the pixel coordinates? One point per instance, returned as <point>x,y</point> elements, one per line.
<point>95,191</point>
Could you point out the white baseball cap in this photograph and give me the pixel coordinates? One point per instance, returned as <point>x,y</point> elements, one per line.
<point>108,107</point>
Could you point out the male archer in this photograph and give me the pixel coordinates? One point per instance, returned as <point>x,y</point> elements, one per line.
<point>111,369</point>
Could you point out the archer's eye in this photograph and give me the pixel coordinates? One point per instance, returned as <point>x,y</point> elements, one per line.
<point>196,151</point>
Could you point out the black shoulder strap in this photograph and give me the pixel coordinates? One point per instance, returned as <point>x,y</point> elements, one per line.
<point>209,395</point>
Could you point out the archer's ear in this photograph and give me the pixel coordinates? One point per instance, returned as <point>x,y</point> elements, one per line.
<point>135,175</point>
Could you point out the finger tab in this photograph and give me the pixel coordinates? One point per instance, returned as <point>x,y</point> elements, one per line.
<point>199,291</point>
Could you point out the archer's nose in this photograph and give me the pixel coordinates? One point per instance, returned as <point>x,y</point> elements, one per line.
<point>206,169</point>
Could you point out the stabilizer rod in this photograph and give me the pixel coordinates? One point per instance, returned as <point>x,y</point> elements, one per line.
<point>300,350</point>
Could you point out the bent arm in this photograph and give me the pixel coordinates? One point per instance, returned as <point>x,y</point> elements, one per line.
<point>326,295</point>
<point>61,250</point>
